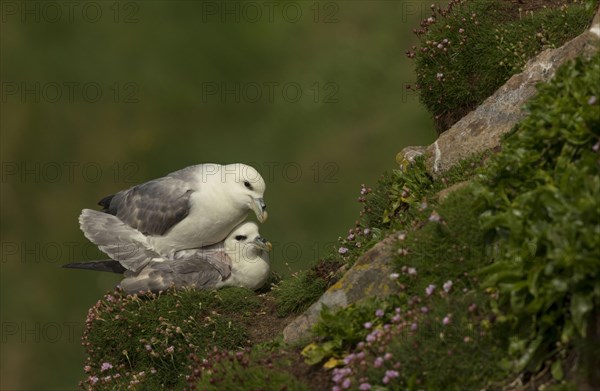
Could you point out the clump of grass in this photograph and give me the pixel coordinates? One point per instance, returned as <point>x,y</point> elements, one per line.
<point>144,341</point>
<point>295,294</point>
<point>469,49</point>
<point>247,369</point>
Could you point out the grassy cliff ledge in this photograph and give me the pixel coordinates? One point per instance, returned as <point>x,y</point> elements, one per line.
<point>496,266</point>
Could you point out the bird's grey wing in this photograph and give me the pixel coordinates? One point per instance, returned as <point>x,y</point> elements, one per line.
<point>197,272</point>
<point>116,239</point>
<point>214,255</point>
<point>154,207</point>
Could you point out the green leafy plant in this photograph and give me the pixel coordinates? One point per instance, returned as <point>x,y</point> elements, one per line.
<point>542,195</point>
<point>469,49</point>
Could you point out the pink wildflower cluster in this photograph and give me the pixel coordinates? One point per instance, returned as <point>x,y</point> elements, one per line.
<point>358,235</point>
<point>106,373</point>
<point>452,28</point>
<point>376,361</point>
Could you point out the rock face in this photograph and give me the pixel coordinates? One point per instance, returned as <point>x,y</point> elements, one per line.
<point>483,128</point>
<point>478,131</point>
<point>369,276</point>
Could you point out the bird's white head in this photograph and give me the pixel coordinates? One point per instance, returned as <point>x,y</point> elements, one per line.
<point>247,185</point>
<point>245,243</point>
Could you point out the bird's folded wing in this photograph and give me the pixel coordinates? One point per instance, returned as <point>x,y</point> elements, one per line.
<point>116,239</point>
<point>154,207</point>
<point>203,272</point>
<point>186,261</point>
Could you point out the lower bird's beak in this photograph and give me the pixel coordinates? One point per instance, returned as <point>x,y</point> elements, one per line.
<point>260,208</point>
<point>263,243</point>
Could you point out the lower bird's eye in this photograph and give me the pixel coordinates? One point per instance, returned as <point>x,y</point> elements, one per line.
<point>248,185</point>
<point>240,237</point>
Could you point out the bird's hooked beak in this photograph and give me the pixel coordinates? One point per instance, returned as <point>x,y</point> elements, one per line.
<point>260,208</point>
<point>263,244</point>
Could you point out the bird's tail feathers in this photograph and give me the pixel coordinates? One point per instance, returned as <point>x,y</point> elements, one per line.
<point>107,265</point>
<point>116,239</point>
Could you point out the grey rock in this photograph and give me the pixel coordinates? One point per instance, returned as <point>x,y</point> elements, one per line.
<point>483,128</point>
<point>368,277</point>
<point>407,156</point>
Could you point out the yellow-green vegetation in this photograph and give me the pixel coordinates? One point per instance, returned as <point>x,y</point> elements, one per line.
<point>469,49</point>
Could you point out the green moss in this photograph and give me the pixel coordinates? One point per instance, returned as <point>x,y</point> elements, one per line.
<point>145,341</point>
<point>498,36</point>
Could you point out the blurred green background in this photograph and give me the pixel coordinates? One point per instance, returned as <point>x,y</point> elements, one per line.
<point>98,96</point>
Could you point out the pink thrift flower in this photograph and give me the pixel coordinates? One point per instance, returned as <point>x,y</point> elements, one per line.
<point>447,286</point>
<point>429,290</point>
<point>392,374</point>
<point>378,362</point>
<point>342,250</point>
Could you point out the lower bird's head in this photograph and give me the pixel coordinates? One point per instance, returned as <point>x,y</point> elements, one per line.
<point>245,243</point>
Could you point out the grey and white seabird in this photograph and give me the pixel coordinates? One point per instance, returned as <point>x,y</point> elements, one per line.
<point>191,208</point>
<point>240,260</point>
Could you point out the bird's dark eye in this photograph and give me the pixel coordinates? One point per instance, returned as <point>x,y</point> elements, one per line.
<point>239,238</point>
<point>248,185</point>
